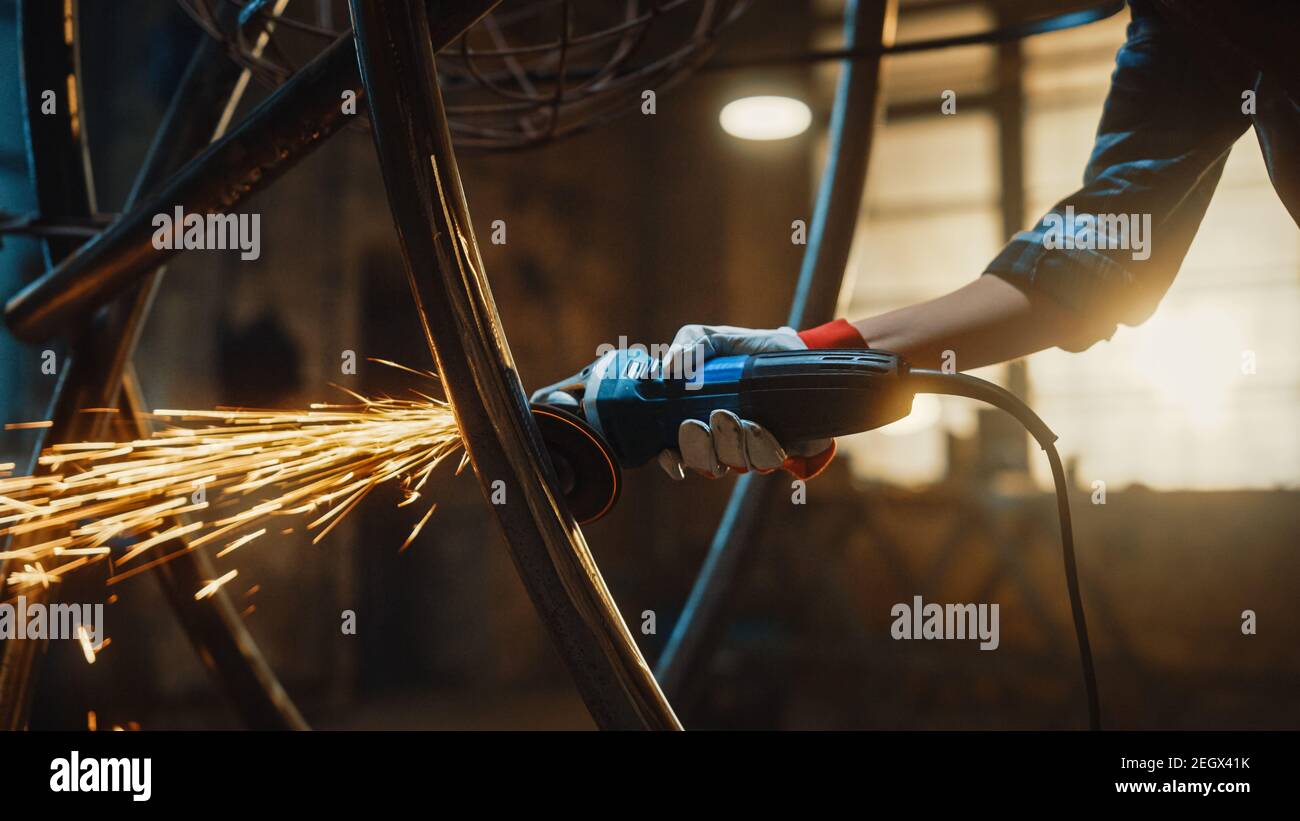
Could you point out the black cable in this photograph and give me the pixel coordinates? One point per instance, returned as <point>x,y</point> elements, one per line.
<point>960,384</point>
<point>1015,31</point>
<point>1072,585</point>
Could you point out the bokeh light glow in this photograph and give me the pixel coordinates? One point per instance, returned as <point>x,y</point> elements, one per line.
<point>765,117</point>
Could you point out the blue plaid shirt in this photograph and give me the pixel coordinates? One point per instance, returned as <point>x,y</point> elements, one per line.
<point>1171,116</point>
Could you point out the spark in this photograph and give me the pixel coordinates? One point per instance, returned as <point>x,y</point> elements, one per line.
<point>210,475</point>
<point>213,586</point>
<point>32,575</point>
<point>240,542</point>
<point>87,647</point>
<point>415,531</point>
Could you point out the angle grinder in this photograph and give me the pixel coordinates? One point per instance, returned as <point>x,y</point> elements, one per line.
<point>620,411</point>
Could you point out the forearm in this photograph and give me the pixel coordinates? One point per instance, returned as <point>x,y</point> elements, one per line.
<point>985,322</point>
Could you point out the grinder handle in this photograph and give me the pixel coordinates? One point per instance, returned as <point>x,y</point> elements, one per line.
<point>797,395</point>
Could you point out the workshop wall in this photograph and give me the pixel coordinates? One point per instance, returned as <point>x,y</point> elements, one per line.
<point>630,231</point>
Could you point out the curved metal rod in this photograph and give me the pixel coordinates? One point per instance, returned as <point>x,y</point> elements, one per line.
<point>94,374</point>
<point>59,167</point>
<point>463,330</point>
<point>835,217</point>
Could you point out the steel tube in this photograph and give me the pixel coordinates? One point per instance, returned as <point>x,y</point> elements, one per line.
<point>59,164</point>
<point>99,365</point>
<point>835,217</point>
<point>286,127</point>
<point>273,138</point>
<point>463,330</point>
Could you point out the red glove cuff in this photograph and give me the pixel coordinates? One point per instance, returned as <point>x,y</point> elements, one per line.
<point>837,334</point>
<point>807,467</point>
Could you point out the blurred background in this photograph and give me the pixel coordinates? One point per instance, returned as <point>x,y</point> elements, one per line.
<point>646,223</point>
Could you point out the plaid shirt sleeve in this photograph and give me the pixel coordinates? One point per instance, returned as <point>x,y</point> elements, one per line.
<point>1168,124</point>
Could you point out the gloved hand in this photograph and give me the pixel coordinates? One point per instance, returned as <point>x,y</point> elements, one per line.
<point>728,442</point>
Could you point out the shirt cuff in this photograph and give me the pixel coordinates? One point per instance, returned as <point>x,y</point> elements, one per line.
<point>1092,286</point>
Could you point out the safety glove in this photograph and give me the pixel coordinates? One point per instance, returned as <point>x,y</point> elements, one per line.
<point>728,442</point>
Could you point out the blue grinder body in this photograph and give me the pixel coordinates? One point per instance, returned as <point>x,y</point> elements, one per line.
<point>797,395</point>
<point>621,411</point>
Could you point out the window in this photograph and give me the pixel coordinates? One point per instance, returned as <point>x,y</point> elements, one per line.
<point>1202,396</point>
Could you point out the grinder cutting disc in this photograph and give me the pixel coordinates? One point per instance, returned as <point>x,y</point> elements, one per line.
<point>588,472</point>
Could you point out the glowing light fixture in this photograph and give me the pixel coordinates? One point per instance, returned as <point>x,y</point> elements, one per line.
<point>765,118</point>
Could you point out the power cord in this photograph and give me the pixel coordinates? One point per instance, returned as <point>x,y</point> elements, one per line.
<point>959,384</point>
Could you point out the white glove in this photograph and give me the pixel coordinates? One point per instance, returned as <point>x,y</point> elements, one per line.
<point>728,442</point>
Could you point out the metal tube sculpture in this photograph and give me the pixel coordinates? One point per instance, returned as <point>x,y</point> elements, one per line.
<point>464,332</point>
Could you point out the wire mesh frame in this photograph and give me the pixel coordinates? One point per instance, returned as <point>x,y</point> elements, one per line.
<point>532,72</point>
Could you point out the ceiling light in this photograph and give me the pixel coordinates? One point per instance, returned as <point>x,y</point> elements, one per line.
<point>765,118</point>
